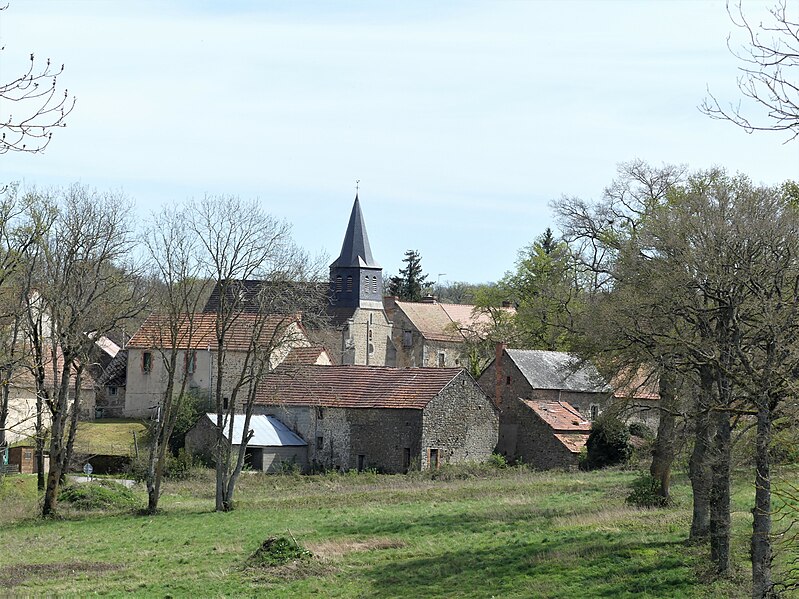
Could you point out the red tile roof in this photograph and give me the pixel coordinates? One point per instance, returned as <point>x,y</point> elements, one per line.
<point>574,442</point>
<point>355,386</point>
<point>445,322</point>
<point>642,385</point>
<point>560,416</point>
<point>198,331</point>
<point>308,355</point>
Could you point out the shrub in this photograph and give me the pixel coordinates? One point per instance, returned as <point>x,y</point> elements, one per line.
<point>646,493</point>
<point>99,495</point>
<point>498,461</point>
<point>276,551</point>
<point>639,429</point>
<point>608,444</point>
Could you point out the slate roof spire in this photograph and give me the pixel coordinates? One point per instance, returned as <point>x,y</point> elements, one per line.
<point>355,251</point>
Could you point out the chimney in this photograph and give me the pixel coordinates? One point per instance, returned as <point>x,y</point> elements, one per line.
<point>500,374</point>
<point>429,299</point>
<point>390,305</point>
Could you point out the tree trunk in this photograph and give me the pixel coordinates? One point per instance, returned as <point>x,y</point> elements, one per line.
<point>699,465</point>
<point>663,450</point>
<point>39,442</point>
<point>720,527</point>
<point>761,524</point>
<point>57,449</point>
<point>73,423</point>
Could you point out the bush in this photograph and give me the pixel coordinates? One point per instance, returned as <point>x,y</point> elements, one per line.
<point>608,443</point>
<point>639,429</point>
<point>498,461</point>
<point>99,495</point>
<point>276,551</point>
<point>646,493</point>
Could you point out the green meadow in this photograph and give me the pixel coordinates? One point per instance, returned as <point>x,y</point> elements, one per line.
<point>469,533</point>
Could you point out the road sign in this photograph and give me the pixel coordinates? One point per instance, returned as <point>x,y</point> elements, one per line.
<point>87,469</point>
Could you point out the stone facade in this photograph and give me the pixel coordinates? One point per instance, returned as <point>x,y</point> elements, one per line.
<point>366,339</point>
<point>358,417</point>
<point>461,423</point>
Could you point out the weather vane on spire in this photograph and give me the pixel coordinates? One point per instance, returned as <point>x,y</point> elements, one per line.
<point>357,186</point>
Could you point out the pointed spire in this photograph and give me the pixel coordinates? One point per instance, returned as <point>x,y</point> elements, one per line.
<point>355,251</point>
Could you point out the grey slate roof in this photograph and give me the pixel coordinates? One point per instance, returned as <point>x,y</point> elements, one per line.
<point>557,370</point>
<point>269,431</point>
<point>355,251</point>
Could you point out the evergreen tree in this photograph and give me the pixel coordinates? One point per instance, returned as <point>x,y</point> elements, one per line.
<point>411,281</point>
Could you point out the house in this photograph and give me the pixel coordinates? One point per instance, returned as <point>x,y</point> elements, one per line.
<point>432,334</point>
<point>271,446</point>
<point>637,395</point>
<point>528,386</point>
<point>357,417</point>
<point>147,350</point>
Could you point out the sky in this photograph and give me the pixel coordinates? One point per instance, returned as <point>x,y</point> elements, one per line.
<point>462,121</point>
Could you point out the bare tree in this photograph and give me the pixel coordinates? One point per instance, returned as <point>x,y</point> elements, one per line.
<point>241,242</point>
<point>85,283</point>
<point>769,72</point>
<point>36,107</point>
<point>173,252</point>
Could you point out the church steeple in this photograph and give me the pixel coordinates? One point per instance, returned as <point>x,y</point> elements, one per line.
<point>355,251</point>
<point>356,280</point>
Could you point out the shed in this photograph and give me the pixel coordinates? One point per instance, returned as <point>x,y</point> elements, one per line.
<point>272,444</point>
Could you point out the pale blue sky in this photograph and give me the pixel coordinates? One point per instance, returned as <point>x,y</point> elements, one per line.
<point>462,120</point>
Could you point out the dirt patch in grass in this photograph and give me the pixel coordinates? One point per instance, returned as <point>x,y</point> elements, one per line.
<point>282,559</point>
<point>14,575</point>
<point>337,548</point>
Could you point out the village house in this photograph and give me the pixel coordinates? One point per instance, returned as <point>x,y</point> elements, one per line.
<point>542,396</point>
<point>433,334</point>
<point>148,348</point>
<point>358,417</point>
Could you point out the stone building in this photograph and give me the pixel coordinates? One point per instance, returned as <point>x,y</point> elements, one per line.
<point>433,334</point>
<point>357,417</point>
<point>521,381</point>
<point>356,300</point>
<point>148,349</point>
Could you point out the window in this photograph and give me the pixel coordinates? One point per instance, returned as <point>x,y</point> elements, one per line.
<point>432,458</point>
<point>442,358</point>
<point>320,443</point>
<point>407,338</point>
<point>594,409</point>
<point>225,402</point>
<point>27,455</point>
<point>191,361</point>
<point>349,284</point>
<point>112,390</point>
<point>507,380</point>
<point>320,412</point>
<point>338,283</point>
<point>146,362</point>
<point>374,284</point>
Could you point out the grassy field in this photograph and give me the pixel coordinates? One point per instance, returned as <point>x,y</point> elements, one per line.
<point>110,436</point>
<point>508,533</point>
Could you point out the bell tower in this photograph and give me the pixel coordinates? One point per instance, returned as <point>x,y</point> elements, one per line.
<point>356,280</point>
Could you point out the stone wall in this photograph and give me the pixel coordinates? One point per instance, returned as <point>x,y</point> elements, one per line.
<point>366,339</point>
<point>336,437</point>
<point>461,423</point>
<point>421,352</point>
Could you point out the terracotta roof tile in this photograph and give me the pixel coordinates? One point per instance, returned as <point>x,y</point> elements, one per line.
<point>574,442</point>
<point>445,322</point>
<point>198,331</point>
<point>355,386</point>
<point>308,355</point>
<point>559,415</point>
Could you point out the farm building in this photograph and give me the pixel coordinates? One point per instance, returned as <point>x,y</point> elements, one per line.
<point>271,446</point>
<point>540,394</point>
<point>358,417</point>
